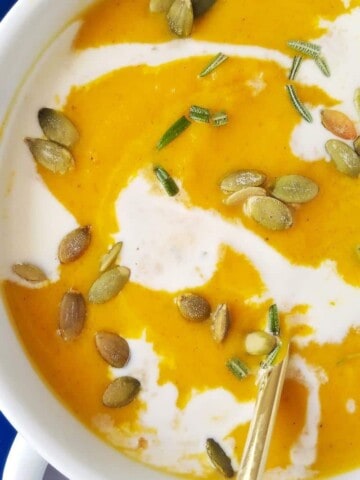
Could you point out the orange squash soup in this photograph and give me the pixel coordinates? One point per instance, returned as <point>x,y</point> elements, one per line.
<point>194,188</point>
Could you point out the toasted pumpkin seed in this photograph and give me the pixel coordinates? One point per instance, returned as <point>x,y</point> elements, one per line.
<point>113,348</point>
<point>219,458</point>
<point>259,343</point>
<point>74,244</point>
<point>51,155</point>
<point>242,178</point>
<point>160,5</point>
<point>338,123</point>
<point>357,100</point>
<point>193,307</point>
<point>269,212</point>
<point>357,145</point>
<point>121,392</point>
<point>294,189</point>
<point>110,257</point>
<point>29,272</point>
<point>220,322</point>
<point>72,315</point>
<point>242,195</point>
<point>109,284</point>
<point>346,160</point>
<point>201,6</point>
<point>180,17</point>
<point>58,127</point>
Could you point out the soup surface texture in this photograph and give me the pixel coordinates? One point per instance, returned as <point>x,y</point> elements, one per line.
<point>123,79</point>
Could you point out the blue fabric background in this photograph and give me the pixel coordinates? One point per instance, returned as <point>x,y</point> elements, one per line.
<point>7,433</point>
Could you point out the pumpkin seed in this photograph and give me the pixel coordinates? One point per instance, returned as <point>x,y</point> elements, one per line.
<point>160,5</point>
<point>259,343</point>
<point>357,145</point>
<point>109,284</point>
<point>29,272</point>
<point>357,100</point>
<point>110,257</point>
<point>294,189</point>
<point>201,6</point>
<point>219,458</point>
<point>338,123</point>
<point>51,155</point>
<point>242,195</point>
<point>113,348</point>
<point>74,244</point>
<point>180,17</point>
<point>193,307</point>
<point>220,322</point>
<point>58,127</point>
<point>346,160</point>
<point>242,178</point>
<point>72,315</point>
<point>269,212</point>
<point>121,392</point>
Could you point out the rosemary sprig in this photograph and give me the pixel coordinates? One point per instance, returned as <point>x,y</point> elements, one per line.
<point>214,63</point>
<point>219,119</point>
<point>237,368</point>
<point>270,359</point>
<point>307,48</point>
<point>323,66</point>
<point>174,131</point>
<point>299,106</point>
<point>273,320</point>
<point>295,66</point>
<point>199,114</point>
<point>166,180</point>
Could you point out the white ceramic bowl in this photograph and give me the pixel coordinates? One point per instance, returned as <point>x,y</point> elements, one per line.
<point>42,420</point>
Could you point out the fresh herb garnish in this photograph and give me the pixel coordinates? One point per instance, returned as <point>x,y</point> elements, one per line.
<point>323,66</point>
<point>199,114</point>
<point>270,359</point>
<point>214,63</point>
<point>310,49</point>
<point>166,180</point>
<point>299,106</point>
<point>237,368</point>
<point>273,320</point>
<point>219,119</point>
<point>295,66</point>
<point>174,131</point>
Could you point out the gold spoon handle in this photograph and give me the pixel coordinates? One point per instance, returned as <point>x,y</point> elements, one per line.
<point>257,444</point>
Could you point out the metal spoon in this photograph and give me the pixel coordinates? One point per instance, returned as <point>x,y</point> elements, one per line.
<point>257,444</point>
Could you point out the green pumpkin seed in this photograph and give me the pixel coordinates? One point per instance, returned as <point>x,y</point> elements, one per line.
<point>57,127</point>
<point>242,178</point>
<point>220,322</point>
<point>259,343</point>
<point>357,145</point>
<point>269,212</point>
<point>193,307</point>
<point>110,257</point>
<point>51,155</point>
<point>29,272</point>
<point>109,284</point>
<point>294,189</point>
<point>346,160</point>
<point>72,315</point>
<point>357,100</point>
<point>74,244</point>
<point>242,195</point>
<point>113,348</point>
<point>121,392</point>
<point>160,5</point>
<point>201,6</point>
<point>219,458</point>
<point>180,17</point>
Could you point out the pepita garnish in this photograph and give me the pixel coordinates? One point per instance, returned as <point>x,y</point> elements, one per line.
<point>29,272</point>
<point>259,343</point>
<point>109,259</point>
<point>274,320</point>
<point>242,195</point>
<point>357,145</point>
<point>113,348</point>
<point>294,189</point>
<point>193,307</point>
<point>58,127</point>
<point>109,284</point>
<point>269,212</point>
<point>121,392</point>
<point>201,6</point>
<point>160,5</point>
<point>74,244</point>
<point>72,315</point>
<point>219,458</point>
<point>213,64</point>
<point>242,178</point>
<point>339,124</point>
<point>51,155</point>
<point>180,17</point>
<point>220,322</point>
<point>238,368</point>
<point>346,160</point>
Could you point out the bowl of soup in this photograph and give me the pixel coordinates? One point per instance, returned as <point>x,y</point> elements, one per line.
<point>179,197</point>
